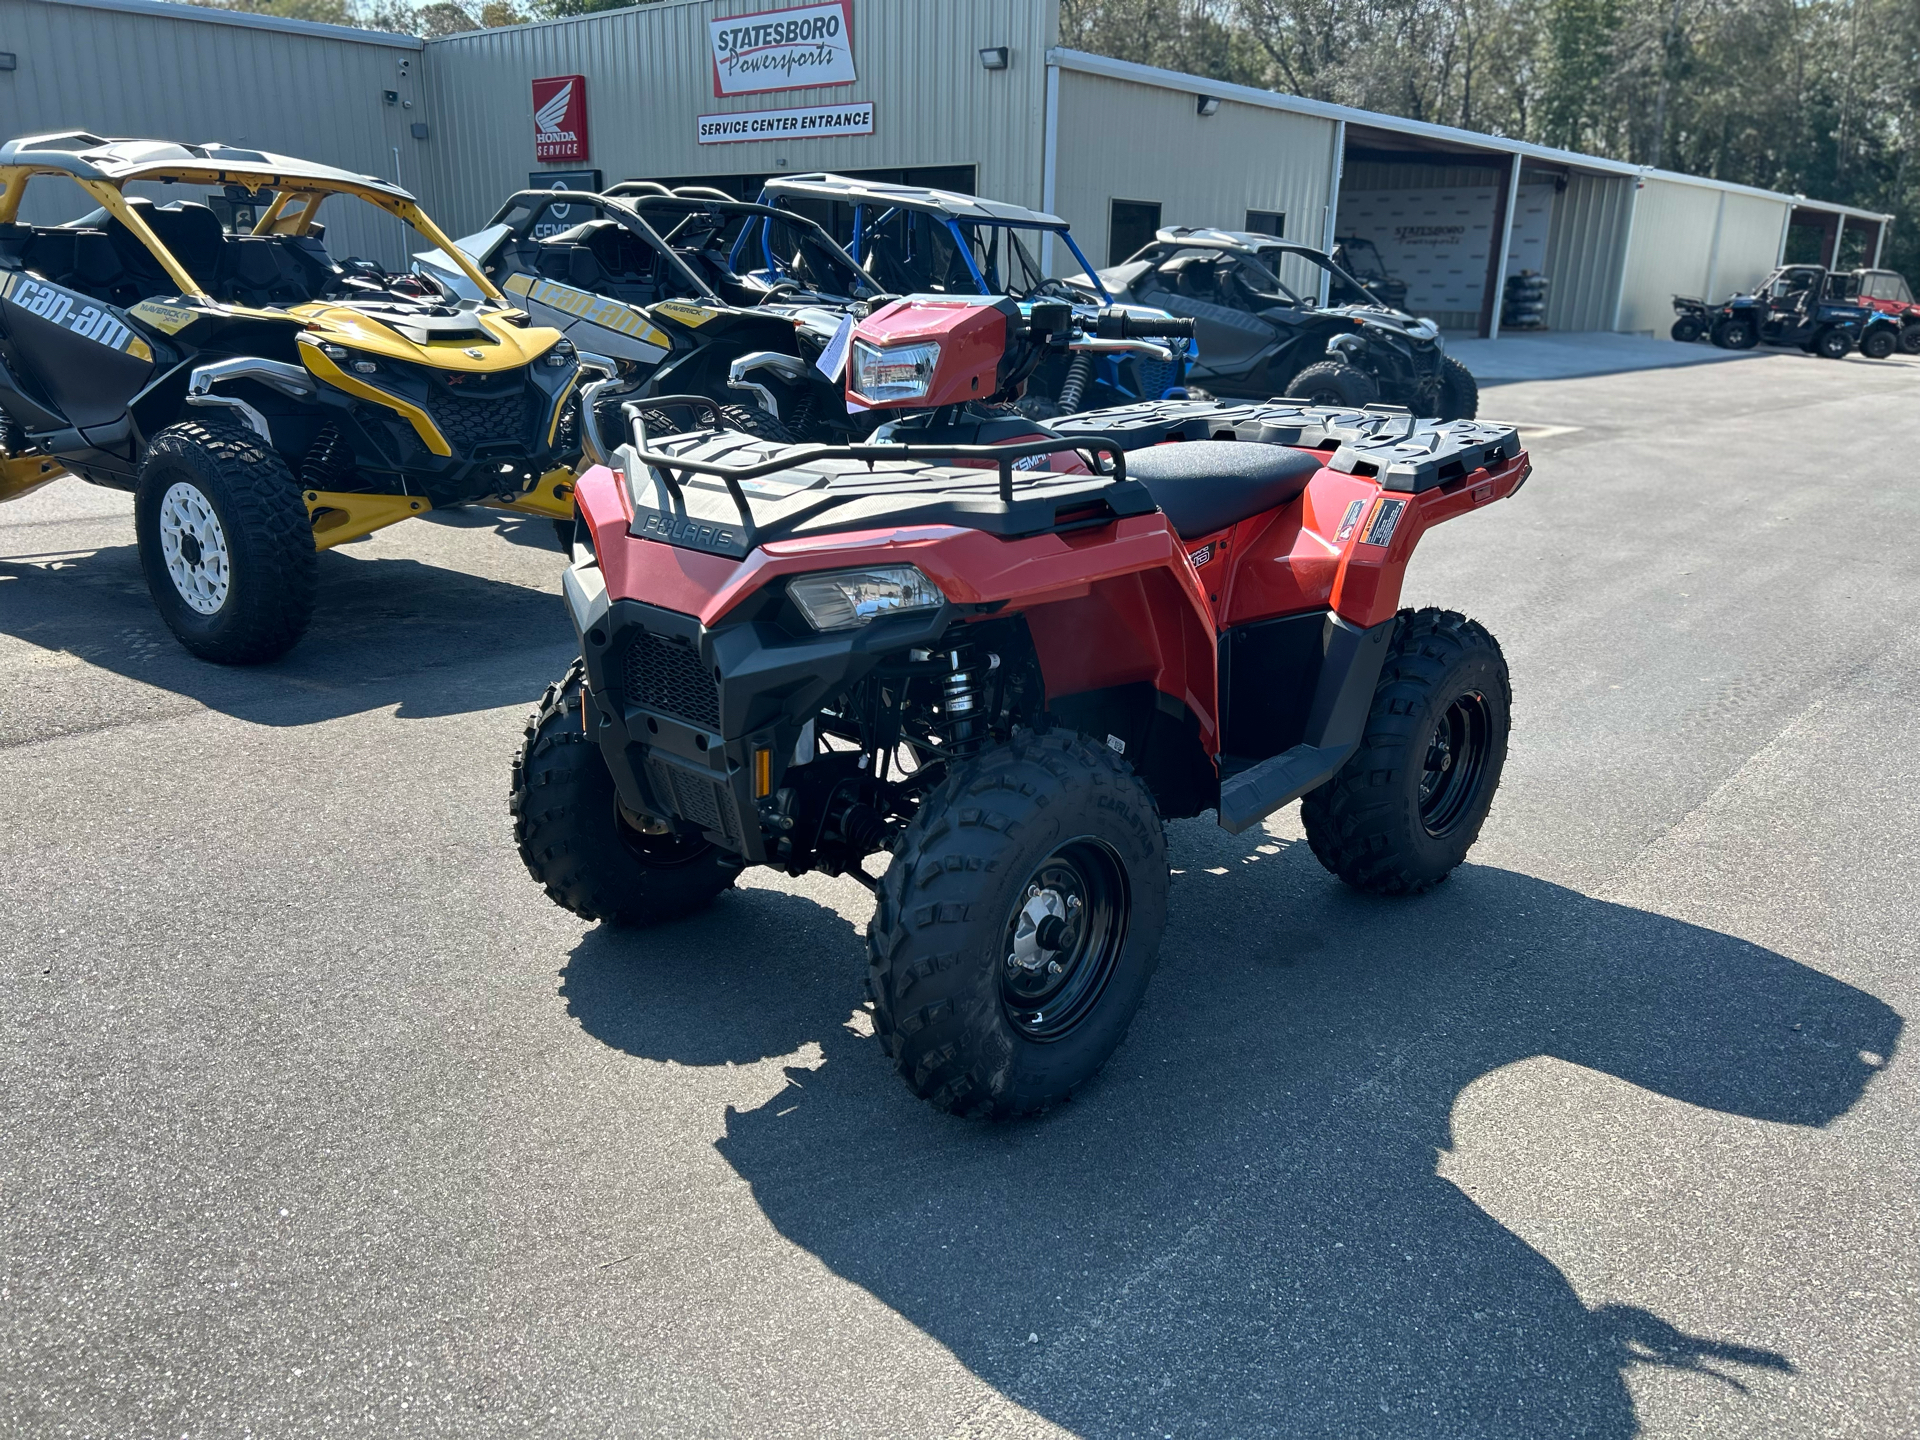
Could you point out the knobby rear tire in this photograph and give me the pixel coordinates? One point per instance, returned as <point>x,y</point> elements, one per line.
<point>1366,824</point>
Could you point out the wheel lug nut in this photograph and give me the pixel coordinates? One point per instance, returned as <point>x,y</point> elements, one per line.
<point>1053,967</point>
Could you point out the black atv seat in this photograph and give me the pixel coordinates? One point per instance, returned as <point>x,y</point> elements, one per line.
<point>1207,485</point>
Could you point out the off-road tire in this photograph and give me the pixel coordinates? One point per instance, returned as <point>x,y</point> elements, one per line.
<point>1332,383</point>
<point>1910,338</point>
<point>1366,824</point>
<point>936,946</point>
<point>1879,342</point>
<point>1731,334</point>
<point>572,839</point>
<point>1459,391</point>
<point>1687,329</point>
<point>1831,344</point>
<point>272,566</point>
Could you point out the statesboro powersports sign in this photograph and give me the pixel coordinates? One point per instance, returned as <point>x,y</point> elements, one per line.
<point>783,49</point>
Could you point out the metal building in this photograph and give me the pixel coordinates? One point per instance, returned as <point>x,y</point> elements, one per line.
<point>146,68</point>
<point>976,96</point>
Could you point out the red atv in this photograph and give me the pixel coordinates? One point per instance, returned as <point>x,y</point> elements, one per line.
<point>1004,655</point>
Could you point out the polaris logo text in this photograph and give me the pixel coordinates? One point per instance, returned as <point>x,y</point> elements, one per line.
<point>782,49</point>
<point>688,532</point>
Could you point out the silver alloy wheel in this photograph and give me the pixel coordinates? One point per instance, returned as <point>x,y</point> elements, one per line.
<point>194,545</point>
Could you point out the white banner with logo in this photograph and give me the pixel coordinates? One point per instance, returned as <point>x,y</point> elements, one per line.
<point>812,122</point>
<point>783,49</point>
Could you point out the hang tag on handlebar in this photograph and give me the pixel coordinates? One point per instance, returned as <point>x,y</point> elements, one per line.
<point>833,359</point>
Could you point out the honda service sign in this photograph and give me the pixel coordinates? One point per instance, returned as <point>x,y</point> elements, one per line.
<point>783,49</point>
<point>560,118</point>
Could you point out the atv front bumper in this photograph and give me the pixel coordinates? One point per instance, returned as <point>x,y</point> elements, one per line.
<point>681,712</point>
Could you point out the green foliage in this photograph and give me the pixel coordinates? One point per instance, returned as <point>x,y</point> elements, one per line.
<point>1815,97</point>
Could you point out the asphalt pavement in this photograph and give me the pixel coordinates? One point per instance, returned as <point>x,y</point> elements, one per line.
<point>317,1119</point>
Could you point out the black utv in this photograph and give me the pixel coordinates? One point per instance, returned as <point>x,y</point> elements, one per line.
<point>687,292</point>
<point>1259,336</point>
<point>1806,307</point>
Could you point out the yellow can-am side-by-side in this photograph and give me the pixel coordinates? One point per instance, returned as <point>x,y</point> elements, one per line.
<point>262,400</point>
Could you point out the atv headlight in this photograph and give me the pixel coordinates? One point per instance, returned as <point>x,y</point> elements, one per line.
<point>845,599</point>
<point>560,355</point>
<point>900,372</point>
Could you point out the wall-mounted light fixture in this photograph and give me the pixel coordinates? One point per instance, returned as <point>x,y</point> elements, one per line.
<point>996,57</point>
<point>392,97</point>
<point>1207,104</point>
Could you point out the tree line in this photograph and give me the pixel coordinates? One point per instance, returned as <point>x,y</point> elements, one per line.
<point>1810,97</point>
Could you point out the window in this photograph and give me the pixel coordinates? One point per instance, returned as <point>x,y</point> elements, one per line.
<point>1267,222</point>
<point>1130,227</point>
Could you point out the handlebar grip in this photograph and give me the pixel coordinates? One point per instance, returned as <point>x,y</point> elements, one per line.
<point>1117,324</point>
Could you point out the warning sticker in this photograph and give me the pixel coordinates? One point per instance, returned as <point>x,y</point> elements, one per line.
<point>1386,517</point>
<point>1348,521</point>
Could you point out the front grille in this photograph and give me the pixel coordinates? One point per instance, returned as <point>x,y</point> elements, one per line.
<point>494,423</point>
<point>705,803</point>
<point>669,678</point>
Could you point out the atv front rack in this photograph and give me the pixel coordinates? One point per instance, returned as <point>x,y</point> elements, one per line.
<point>673,470</point>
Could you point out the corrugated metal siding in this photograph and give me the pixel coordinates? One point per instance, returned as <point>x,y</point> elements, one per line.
<point>175,78</point>
<point>649,75</point>
<point>1670,253</point>
<point>1586,251</point>
<point>1750,230</point>
<point>1119,140</point>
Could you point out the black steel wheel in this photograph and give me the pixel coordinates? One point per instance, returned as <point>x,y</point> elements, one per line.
<point>1833,343</point>
<point>1402,813</point>
<point>1910,338</point>
<point>1018,925</point>
<point>1687,329</point>
<point>1064,938</point>
<point>1880,342</point>
<point>1456,763</point>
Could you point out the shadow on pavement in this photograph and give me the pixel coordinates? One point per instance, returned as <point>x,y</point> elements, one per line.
<point>1238,1228</point>
<point>385,632</point>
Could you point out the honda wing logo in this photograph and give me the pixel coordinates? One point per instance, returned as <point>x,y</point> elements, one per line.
<point>560,118</point>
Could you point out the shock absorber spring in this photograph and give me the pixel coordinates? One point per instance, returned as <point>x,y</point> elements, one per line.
<point>1075,385</point>
<point>960,697</point>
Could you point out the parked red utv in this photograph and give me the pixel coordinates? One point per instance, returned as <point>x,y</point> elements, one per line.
<point>1007,678</point>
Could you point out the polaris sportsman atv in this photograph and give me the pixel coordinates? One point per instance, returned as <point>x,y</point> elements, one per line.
<point>261,401</point>
<point>1007,678</point>
<point>915,241</point>
<point>1803,306</point>
<point>693,293</point>
<point>1260,337</point>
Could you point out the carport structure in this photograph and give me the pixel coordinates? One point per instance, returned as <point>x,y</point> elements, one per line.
<point>1452,213</point>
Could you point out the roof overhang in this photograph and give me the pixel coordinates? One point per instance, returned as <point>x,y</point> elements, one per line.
<point>1373,130</point>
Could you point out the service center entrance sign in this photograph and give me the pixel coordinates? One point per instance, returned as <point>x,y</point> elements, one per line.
<point>812,122</point>
<point>560,118</point>
<point>783,49</point>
